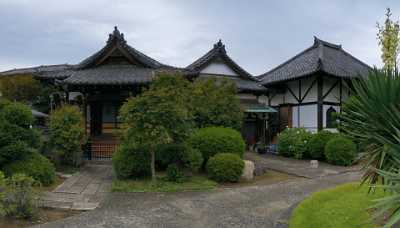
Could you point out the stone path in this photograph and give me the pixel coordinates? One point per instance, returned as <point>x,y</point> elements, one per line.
<point>255,206</point>
<point>296,167</point>
<point>82,191</point>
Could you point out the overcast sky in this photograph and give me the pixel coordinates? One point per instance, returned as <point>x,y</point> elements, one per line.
<point>258,35</point>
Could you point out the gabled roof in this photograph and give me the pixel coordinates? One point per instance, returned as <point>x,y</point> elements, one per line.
<point>323,57</point>
<point>116,41</point>
<point>219,52</point>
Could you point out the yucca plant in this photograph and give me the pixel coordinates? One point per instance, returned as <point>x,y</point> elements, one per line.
<point>390,204</point>
<point>371,117</point>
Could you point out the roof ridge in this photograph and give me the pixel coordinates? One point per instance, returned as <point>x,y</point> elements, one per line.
<point>318,41</point>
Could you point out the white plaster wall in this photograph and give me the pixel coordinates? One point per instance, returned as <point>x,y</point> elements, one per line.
<point>289,98</point>
<point>262,99</point>
<point>218,68</point>
<point>312,94</point>
<point>334,95</point>
<point>277,100</point>
<point>305,116</point>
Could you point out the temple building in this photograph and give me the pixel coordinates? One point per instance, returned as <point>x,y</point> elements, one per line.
<point>304,91</point>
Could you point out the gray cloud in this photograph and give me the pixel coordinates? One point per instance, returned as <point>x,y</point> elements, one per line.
<point>258,34</point>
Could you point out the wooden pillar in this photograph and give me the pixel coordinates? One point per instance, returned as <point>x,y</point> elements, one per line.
<point>320,102</point>
<point>85,111</point>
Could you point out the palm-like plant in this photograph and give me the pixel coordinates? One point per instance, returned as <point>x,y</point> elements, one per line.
<point>372,118</point>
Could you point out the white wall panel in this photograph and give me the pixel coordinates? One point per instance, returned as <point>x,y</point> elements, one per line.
<point>218,68</point>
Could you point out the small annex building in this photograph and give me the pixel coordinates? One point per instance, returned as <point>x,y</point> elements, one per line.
<point>310,87</point>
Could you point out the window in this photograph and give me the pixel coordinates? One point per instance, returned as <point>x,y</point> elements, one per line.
<point>330,118</point>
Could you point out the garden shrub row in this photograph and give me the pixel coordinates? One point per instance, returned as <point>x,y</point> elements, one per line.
<point>182,159</point>
<point>324,145</point>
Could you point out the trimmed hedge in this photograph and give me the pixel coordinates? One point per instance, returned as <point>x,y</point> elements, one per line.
<point>340,151</point>
<point>36,166</point>
<point>131,161</point>
<point>225,167</point>
<point>212,140</point>
<point>292,142</point>
<point>316,145</point>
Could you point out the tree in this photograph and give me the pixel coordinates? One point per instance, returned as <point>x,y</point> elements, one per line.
<point>26,89</point>
<point>214,103</point>
<point>67,134</point>
<point>389,40</point>
<point>20,88</point>
<point>158,116</point>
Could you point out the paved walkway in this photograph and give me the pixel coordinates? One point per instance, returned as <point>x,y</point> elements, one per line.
<point>256,206</point>
<point>296,167</point>
<point>82,191</point>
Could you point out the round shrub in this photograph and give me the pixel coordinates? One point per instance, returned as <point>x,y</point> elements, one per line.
<point>340,151</point>
<point>174,174</point>
<point>212,140</point>
<point>36,166</point>
<point>316,145</point>
<point>131,161</point>
<point>225,167</point>
<point>18,114</point>
<point>292,142</point>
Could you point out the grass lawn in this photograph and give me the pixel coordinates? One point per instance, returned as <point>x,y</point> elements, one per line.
<point>343,206</point>
<point>196,183</point>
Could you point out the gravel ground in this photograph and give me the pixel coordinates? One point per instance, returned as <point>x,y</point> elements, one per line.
<point>253,206</point>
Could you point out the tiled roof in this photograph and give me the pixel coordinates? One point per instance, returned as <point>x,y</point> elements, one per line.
<point>320,57</point>
<point>38,70</point>
<point>114,75</point>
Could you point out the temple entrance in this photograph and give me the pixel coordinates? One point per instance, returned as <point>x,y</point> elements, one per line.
<point>96,120</point>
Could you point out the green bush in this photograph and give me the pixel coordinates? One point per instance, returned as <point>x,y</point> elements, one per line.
<point>19,198</point>
<point>340,151</point>
<point>67,135</point>
<point>225,167</point>
<point>174,174</point>
<point>212,140</point>
<point>179,154</point>
<point>16,151</point>
<point>131,161</point>
<point>18,114</point>
<point>11,133</point>
<point>169,154</point>
<point>192,159</point>
<point>36,166</point>
<point>293,142</point>
<point>316,145</point>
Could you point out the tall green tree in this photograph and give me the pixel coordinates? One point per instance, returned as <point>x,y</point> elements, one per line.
<point>158,116</point>
<point>389,41</point>
<point>215,103</point>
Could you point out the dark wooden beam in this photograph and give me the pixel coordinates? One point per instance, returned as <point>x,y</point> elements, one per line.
<point>309,89</point>
<point>320,102</point>
<point>331,88</point>
<point>291,92</point>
